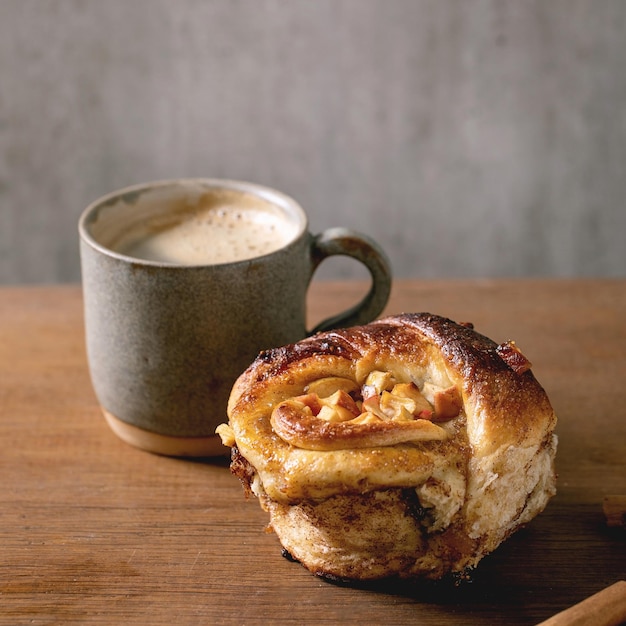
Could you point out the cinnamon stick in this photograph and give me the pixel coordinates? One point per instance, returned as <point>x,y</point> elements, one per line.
<point>605,608</point>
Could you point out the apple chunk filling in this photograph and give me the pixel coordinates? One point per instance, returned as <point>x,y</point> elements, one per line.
<point>336,413</point>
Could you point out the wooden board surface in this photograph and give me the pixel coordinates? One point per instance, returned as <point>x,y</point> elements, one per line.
<point>95,531</point>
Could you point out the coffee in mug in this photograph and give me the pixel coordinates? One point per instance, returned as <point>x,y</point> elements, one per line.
<point>184,283</point>
<point>222,227</point>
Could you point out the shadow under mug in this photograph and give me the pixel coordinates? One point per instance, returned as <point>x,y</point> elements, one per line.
<point>166,341</point>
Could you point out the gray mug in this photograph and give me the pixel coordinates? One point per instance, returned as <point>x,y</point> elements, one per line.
<point>167,334</point>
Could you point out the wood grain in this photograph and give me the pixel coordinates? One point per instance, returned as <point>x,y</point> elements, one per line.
<point>95,531</point>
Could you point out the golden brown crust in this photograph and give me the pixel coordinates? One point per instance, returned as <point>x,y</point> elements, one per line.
<point>418,346</point>
<point>490,470</point>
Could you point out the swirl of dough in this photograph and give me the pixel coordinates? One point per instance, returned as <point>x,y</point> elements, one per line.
<point>295,422</point>
<point>298,456</point>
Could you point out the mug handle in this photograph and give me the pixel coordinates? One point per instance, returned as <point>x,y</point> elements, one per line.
<point>346,242</point>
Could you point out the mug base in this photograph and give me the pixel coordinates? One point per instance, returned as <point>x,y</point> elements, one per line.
<point>165,445</point>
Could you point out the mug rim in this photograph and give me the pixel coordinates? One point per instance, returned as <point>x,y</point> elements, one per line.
<point>269,194</point>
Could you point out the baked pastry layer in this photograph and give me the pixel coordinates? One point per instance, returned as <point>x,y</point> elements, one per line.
<point>411,446</point>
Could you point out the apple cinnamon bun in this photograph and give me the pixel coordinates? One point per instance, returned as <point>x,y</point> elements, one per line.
<point>411,447</point>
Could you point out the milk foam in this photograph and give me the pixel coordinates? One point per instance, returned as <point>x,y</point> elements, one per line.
<point>216,235</point>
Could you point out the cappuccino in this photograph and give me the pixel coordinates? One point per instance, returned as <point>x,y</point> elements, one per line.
<point>171,317</point>
<point>220,228</point>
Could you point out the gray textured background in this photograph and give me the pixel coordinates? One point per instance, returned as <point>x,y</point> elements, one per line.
<point>469,137</point>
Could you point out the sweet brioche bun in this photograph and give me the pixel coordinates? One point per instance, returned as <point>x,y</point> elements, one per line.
<point>380,492</point>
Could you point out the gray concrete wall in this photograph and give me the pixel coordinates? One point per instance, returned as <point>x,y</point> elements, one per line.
<point>470,137</point>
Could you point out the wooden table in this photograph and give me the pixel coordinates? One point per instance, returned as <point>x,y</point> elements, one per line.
<point>95,531</point>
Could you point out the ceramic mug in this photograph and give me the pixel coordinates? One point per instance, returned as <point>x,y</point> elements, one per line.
<point>184,283</point>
